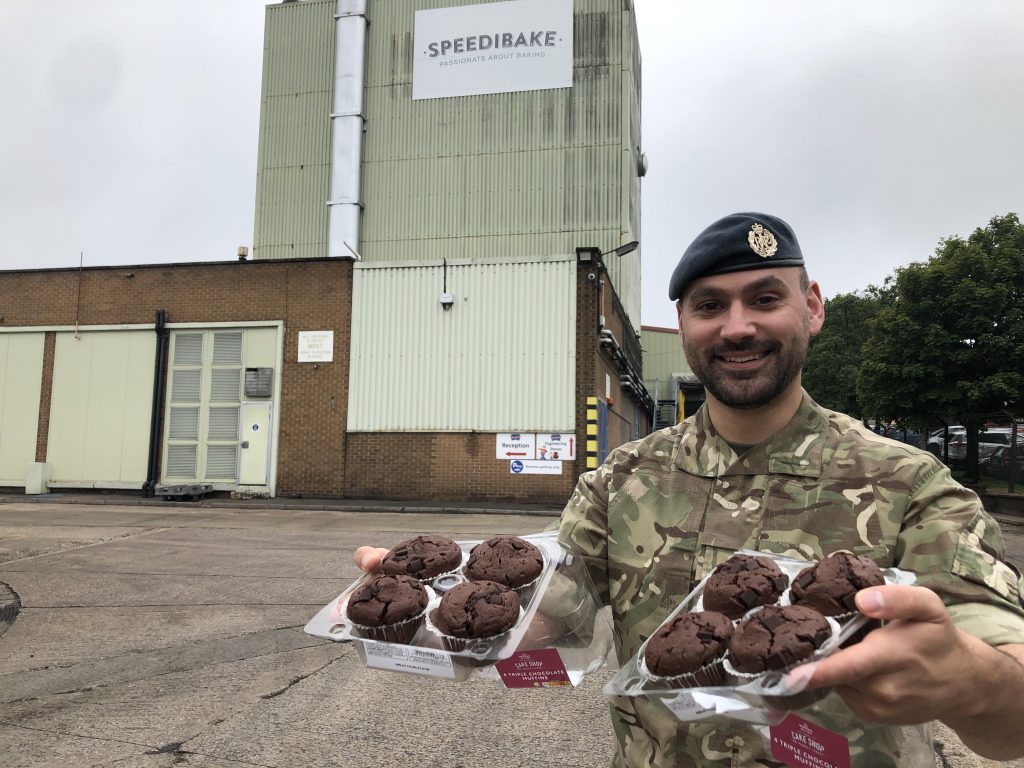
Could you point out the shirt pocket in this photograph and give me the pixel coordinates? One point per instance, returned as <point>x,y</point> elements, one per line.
<point>976,561</point>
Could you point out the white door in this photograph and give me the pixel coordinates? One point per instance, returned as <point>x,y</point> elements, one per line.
<point>254,444</point>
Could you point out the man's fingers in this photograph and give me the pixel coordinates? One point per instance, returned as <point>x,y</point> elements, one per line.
<point>841,668</point>
<point>368,558</point>
<point>901,602</point>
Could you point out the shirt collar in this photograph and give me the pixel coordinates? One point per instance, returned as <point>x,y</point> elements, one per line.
<point>796,449</point>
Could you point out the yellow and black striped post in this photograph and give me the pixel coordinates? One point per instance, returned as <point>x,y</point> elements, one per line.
<point>591,433</point>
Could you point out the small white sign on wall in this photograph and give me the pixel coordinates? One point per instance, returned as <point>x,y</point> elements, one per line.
<point>316,346</point>
<point>527,467</point>
<point>515,445</point>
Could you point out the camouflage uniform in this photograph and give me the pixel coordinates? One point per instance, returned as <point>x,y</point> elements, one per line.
<point>663,511</point>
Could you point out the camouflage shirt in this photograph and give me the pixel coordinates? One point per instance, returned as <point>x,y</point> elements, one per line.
<point>662,512</point>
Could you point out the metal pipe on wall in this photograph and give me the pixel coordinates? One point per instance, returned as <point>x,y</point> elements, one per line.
<point>347,130</point>
<point>156,418</point>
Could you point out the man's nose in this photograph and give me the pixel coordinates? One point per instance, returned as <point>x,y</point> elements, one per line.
<point>738,324</point>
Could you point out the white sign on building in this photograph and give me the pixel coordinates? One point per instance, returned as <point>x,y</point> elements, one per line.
<point>316,346</point>
<point>527,467</point>
<point>516,445</point>
<point>556,447</point>
<point>520,45</point>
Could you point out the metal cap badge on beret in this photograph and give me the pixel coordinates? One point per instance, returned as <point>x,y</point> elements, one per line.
<point>736,243</point>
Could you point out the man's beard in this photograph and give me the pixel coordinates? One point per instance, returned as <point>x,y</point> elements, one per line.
<point>747,391</point>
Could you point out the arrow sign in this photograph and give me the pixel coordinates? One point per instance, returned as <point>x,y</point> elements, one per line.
<point>520,445</point>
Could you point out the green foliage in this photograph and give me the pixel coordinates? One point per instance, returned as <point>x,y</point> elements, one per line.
<point>951,341</point>
<point>834,357</point>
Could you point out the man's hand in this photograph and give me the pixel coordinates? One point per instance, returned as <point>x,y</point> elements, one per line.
<point>920,667</point>
<point>368,558</point>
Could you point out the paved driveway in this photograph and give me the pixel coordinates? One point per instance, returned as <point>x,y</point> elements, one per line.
<point>156,636</point>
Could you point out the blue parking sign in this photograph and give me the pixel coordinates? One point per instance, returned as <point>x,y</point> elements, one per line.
<point>517,466</point>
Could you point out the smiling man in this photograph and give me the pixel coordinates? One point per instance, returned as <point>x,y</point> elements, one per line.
<point>761,466</point>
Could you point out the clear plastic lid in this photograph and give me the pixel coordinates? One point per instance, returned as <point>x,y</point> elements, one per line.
<point>560,636</point>
<point>761,698</point>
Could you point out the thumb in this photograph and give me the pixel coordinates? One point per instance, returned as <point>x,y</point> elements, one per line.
<point>901,602</point>
<point>368,558</point>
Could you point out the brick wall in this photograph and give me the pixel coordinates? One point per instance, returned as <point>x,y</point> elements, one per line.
<point>315,457</point>
<point>309,294</point>
<point>444,466</point>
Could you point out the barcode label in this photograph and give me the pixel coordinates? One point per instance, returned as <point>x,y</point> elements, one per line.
<point>405,658</point>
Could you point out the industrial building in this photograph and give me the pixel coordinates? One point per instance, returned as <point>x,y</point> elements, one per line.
<point>443,296</point>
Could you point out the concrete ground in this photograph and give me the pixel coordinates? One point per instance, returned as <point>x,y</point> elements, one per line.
<point>159,635</point>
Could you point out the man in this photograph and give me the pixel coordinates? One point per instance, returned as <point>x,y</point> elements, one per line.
<point>761,466</point>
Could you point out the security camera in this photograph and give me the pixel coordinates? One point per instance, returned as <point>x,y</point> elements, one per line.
<point>447,300</point>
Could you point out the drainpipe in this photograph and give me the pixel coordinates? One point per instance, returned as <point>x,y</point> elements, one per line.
<point>344,207</point>
<point>156,417</point>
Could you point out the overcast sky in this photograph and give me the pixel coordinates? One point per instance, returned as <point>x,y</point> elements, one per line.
<point>876,128</point>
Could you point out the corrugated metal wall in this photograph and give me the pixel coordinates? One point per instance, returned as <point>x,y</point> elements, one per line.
<point>512,174</point>
<point>21,373</point>
<point>100,408</point>
<point>663,356</point>
<point>294,165</point>
<point>502,359</point>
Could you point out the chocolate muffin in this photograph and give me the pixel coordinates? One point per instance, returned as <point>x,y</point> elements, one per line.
<point>507,560</point>
<point>743,582</point>
<point>776,637</point>
<point>689,645</point>
<point>477,609</point>
<point>423,557</point>
<point>830,585</point>
<point>387,607</point>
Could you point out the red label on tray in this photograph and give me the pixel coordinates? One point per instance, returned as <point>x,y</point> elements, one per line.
<point>802,744</point>
<point>542,668</point>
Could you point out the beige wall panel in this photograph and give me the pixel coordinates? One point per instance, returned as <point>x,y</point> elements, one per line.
<point>21,374</point>
<point>294,163</point>
<point>502,359</point>
<point>663,356</point>
<point>101,406</point>
<point>260,348</point>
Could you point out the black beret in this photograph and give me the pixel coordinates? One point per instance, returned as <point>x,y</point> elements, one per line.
<point>736,243</point>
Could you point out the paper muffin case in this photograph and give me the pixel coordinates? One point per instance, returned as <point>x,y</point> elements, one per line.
<point>712,674</point>
<point>401,632</point>
<point>769,679</point>
<point>478,648</point>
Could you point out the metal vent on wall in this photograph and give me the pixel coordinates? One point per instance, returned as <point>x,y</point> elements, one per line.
<point>221,462</point>
<point>258,382</point>
<point>181,461</point>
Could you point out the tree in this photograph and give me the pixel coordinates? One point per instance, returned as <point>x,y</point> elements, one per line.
<point>834,356</point>
<point>951,340</point>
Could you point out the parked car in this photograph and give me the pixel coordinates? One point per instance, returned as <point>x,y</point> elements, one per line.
<point>988,441</point>
<point>957,442</point>
<point>998,463</point>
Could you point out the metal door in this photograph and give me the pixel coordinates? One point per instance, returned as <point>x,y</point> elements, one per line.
<point>254,444</point>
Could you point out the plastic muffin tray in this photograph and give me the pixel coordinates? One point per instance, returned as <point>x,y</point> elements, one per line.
<point>762,698</point>
<point>560,637</point>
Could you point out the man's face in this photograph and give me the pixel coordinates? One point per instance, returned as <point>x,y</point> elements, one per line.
<point>745,334</point>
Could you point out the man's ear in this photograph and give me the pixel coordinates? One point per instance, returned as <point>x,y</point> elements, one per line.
<point>679,318</point>
<point>815,308</point>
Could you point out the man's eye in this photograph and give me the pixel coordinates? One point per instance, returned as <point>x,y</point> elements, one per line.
<point>766,300</point>
<point>707,306</point>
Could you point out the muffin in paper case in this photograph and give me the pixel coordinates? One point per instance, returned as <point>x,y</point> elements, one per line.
<point>755,698</point>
